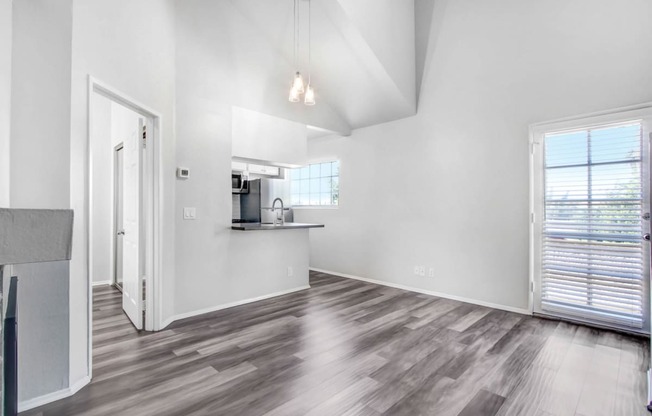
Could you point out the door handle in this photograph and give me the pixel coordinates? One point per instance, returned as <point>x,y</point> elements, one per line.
<point>646,236</point>
<point>121,232</point>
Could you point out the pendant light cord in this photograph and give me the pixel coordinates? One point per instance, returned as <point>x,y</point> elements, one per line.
<point>298,33</point>
<point>309,40</point>
<point>294,40</point>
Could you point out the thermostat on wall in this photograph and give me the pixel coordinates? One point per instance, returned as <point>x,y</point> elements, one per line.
<point>183,173</point>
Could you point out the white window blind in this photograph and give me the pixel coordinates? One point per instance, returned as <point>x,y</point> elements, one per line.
<point>593,257</point>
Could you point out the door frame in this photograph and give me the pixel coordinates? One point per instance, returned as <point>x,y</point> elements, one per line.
<point>536,132</point>
<point>152,210</point>
<point>114,253</point>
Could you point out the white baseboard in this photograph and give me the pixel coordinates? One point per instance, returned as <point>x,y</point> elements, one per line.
<point>54,396</point>
<point>428,292</point>
<point>229,305</point>
<point>102,283</point>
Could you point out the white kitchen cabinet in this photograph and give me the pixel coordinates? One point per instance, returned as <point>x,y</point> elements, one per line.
<point>263,170</point>
<point>238,166</point>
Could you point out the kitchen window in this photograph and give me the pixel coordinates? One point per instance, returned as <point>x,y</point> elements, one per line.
<point>316,185</point>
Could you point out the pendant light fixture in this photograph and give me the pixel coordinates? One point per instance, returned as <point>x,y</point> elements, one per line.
<point>298,83</point>
<point>294,96</point>
<point>297,86</point>
<point>309,98</point>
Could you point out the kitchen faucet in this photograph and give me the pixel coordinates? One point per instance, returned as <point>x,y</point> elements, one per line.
<point>280,219</point>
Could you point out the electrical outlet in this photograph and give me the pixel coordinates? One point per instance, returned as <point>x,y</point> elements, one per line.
<point>431,272</point>
<point>290,271</point>
<point>416,270</point>
<point>422,270</point>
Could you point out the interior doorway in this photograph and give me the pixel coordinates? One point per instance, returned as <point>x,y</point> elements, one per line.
<point>119,216</point>
<point>124,210</point>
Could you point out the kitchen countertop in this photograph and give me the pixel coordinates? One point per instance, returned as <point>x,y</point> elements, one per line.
<point>257,226</point>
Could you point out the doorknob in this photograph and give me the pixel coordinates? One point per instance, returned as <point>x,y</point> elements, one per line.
<point>122,232</point>
<point>646,236</point>
<point>646,216</point>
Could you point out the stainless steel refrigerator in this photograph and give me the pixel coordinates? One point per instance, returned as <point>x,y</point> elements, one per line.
<point>256,205</point>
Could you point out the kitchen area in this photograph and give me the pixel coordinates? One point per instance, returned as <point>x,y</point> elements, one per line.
<point>265,149</point>
<point>264,253</point>
<point>261,198</point>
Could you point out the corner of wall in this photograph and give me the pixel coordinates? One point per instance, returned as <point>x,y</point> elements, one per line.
<point>6,7</point>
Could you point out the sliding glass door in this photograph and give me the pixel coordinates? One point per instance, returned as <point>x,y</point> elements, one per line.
<point>591,224</point>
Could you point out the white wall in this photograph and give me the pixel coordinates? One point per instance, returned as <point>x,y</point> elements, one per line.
<point>129,46</point>
<point>263,137</point>
<point>215,265</point>
<point>448,188</point>
<point>249,62</point>
<point>40,177</point>
<point>102,185</point>
<point>5,98</point>
<point>388,28</point>
<point>112,124</point>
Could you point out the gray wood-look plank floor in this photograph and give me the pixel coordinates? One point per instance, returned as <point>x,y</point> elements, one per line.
<point>346,347</point>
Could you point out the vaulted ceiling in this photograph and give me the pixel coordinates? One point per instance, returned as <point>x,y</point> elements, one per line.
<point>362,59</point>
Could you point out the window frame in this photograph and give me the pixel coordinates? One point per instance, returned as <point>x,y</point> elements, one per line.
<point>339,176</point>
<point>642,112</point>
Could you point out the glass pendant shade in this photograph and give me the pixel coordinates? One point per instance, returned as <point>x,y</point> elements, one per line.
<point>298,83</point>
<point>309,98</point>
<point>294,95</point>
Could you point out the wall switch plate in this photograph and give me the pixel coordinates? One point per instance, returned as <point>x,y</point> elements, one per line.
<point>416,270</point>
<point>290,271</point>
<point>422,271</point>
<point>189,213</point>
<point>431,272</point>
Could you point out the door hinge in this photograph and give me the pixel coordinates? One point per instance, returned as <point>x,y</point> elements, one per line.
<point>532,286</point>
<point>144,137</point>
<point>532,218</point>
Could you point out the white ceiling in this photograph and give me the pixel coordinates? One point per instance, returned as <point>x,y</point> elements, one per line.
<point>363,57</point>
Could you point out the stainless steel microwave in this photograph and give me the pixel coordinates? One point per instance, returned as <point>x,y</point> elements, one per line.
<point>239,183</point>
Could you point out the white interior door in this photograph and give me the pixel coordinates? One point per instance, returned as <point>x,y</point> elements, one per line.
<point>132,286</point>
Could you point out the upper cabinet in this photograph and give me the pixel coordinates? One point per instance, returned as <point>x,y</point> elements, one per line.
<point>238,166</point>
<point>264,170</point>
<point>258,136</point>
<point>255,168</point>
